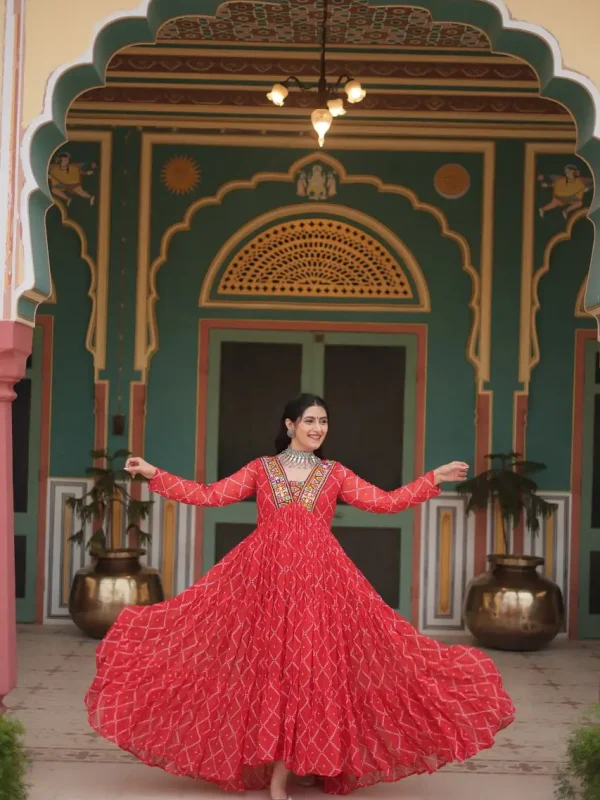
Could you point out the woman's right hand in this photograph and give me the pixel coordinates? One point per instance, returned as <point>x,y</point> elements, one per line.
<point>137,466</point>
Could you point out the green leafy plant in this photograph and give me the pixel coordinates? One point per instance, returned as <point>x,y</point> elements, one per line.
<point>96,507</point>
<point>579,777</point>
<point>507,485</point>
<point>13,760</point>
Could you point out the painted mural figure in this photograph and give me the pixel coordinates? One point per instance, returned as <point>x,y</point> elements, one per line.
<point>568,190</point>
<point>283,657</point>
<point>66,178</point>
<point>316,183</point>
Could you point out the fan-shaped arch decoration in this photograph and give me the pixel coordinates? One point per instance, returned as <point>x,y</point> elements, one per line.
<point>320,258</point>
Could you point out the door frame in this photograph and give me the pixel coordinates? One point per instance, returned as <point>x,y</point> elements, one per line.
<point>46,323</point>
<point>39,466</point>
<point>418,330</point>
<point>579,482</point>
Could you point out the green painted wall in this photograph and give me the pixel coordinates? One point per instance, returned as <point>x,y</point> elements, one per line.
<point>508,223</point>
<point>72,426</point>
<point>122,287</point>
<point>172,381</point>
<point>550,418</point>
<point>190,254</point>
<point>549,428</point>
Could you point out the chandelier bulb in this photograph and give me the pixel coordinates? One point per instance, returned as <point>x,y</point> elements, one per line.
<point>354,91</point>
<point>321,120</point>
<point>336,107</point>
<point>278,94</point>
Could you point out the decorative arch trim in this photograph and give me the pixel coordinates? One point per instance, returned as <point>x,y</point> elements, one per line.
<point>292,214</point>
<point>580,310</point>
<point>478,347</point>
<point>525,40</point>
<point>84,254</point>
<point>99,266</point>
<point>563,236</point>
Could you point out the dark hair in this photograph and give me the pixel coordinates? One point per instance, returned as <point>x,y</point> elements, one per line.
<point>294,411</point>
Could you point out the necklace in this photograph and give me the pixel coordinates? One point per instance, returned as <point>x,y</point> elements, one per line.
<point>301,459</point>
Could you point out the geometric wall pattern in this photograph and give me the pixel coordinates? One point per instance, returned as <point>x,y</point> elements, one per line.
<point>63,558</point>
<point>317,257</point>
<point>351,22</point>
<point>552,543</point>
<point>447,554</point>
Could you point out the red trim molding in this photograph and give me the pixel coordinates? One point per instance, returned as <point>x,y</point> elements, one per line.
<point>520,409</point>
<point>46,323</point>
<point>483,445</point>
<point>582,336</point>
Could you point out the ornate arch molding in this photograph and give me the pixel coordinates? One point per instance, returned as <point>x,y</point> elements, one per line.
<point>527,41</point>
<point>563,236</point>
<point>84,254</point>
<point>375,272</point>
<point>580,311</point>
<point>146,327</point>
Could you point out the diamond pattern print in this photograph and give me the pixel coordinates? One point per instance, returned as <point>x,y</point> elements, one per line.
<point>284,651</point>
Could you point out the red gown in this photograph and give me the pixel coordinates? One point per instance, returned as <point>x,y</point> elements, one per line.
<point>284,651</point>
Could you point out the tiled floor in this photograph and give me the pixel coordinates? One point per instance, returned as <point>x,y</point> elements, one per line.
<point>552,689</point>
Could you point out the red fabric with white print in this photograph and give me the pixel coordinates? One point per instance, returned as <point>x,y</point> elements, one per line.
<point>284,651</point>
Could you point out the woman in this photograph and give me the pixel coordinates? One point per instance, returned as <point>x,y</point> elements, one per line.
<point>283,657</point>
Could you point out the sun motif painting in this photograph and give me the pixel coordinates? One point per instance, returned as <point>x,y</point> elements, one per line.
<point>180,175</point>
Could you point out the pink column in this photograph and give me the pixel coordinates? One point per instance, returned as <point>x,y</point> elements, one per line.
<point>15,346</point>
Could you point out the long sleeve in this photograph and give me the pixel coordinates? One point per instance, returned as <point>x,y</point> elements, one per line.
<point>239,486</point>
<point>361,494</point>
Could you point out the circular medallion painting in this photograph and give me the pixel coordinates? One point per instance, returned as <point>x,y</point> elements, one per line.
<point>452,181</point>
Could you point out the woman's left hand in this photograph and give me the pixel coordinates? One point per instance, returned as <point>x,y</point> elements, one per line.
<point>452,472</point>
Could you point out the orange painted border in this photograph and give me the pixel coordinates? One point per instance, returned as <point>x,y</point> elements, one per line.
<point>100,414</point>
<point>417,329</point>
<point>138,419</point>
<point>46,322</point>
<point>582,335</point>
<point>520,409</point>
<point>483,446</point>
<point>137,437</point>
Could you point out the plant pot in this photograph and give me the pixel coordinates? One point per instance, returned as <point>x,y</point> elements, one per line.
<point>513,607</point>
<point>101,591</point>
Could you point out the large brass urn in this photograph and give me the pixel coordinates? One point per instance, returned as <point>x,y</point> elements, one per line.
<point>101,591</point>
<point>116,578</point>
<point>513,607</point>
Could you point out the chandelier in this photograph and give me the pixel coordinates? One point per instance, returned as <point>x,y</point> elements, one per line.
<point>329,104</point>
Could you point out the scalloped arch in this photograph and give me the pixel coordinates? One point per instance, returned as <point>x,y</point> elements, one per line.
<point>540,272</point>
<point>527,41</point>
<point>477,355</point>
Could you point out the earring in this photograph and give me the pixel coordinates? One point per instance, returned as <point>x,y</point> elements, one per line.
<point>291,433</point>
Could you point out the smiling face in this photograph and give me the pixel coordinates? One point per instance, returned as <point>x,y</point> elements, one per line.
<point>310,430</point>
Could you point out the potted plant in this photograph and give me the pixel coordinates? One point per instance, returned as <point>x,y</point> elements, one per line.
<point>579,777</point>
<point>13,760</point>
<point>511,607</point>
<point>99,593</point>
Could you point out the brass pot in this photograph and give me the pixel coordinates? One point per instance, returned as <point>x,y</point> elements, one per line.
<point>101,591</point>
<point>513,607</point>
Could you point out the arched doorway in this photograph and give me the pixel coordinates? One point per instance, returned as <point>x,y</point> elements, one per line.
<point>484,25</point>
<point>135,85</point>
